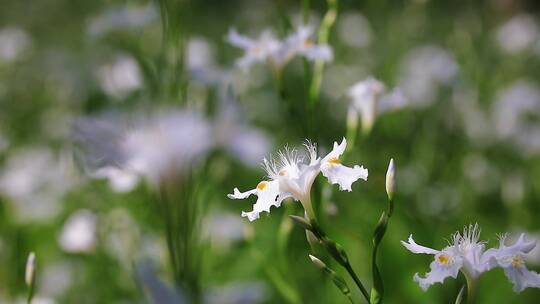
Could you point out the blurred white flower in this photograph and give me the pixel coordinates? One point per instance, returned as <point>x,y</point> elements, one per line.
<point>300,43</point>
<point>155,146</point>
<point>79,232</point>
<point>13,42</point>
<point>511,260</point>
<point>424,69</point>
<point>360,37</point>
<point>121,236</point>
<point>255,50</point>
<point>277,53</point>
<point>122,18</point>
<point>292,177</point>
<point>199,60</point>
<point>121,77</point>
<point>35,180</point>
<point>252,292</point>
<point>463,253</point>
<point>517,34</point>
<point>369,99</point>
<point>513,111</point>
<point>223,229</point>
<point>475,120</point>
<point>56,278</point>
<point>232,132</point>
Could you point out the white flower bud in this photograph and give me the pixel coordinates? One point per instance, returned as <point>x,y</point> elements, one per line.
<point>391,179</point>
<point>320,264</point>
<point>30,269</point>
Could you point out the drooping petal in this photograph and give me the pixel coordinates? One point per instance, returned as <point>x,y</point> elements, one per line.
<point>336,173</point>
<point>234,38</point>
<point>318,52</point>
<point>522,245</point>
<point>445,265</point>
<point>268,195</point>
<point>344,176</point>
<point>415,248</point>
<point>522,278</point>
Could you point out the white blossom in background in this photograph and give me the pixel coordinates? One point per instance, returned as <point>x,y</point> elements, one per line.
<point>121,236</point>
<point>258,50</point>
<point>127,17</point>
<point>277,53</point>
<point>361,36</point>
<point>512,111</point>
<point>293,174</point>
<point>151,146</point>
<point>464,253</point>
<point>236,136</point>
<point>233,293</point>
<point>369,98</point>
<point>34,181</point>
<point>13,42</point>
<point>121,77</point>
<point>79,232</point>
<point>223,229</point>
<point>511,259</point>
<point>56,278</point>
<point>423,71</point>
<point>199,60</point>
<point>518,34</point>
<point>300,43</point>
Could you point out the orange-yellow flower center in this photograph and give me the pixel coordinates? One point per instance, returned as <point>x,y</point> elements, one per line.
<point>444,259</point>
<point>334,161</point>
<point>262,185</point>
<point>517,261</point>
<point>308,44</point>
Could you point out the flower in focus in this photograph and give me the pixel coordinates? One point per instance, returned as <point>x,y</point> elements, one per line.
<point>369,99</point>
<point>292,176</point>
<point>511,260</point>
<point>463,253</point>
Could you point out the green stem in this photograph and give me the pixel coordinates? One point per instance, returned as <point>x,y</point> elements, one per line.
<point>471,289</point>
<point>357,281</point>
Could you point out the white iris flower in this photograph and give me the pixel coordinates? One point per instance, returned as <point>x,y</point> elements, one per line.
<point>291,176</point>
<point>511,260</point>
<point>255,50</point>
<point>463,253</point>
<point>277,53</point>
<point>370,99</point>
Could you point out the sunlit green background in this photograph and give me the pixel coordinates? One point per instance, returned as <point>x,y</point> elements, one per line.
<point>453,167</point>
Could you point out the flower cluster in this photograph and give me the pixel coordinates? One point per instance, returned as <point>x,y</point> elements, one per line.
<point>466,253</point>
<point>268,48</point>
<point>290,176</point>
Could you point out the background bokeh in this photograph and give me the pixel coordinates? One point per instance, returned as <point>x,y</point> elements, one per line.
<point>466,144</point>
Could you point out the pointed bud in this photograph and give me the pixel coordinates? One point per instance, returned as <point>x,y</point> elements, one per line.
<point>300,221</point>
<point>391,179</point>
<point>30,269</point>
<point>320,264</point>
